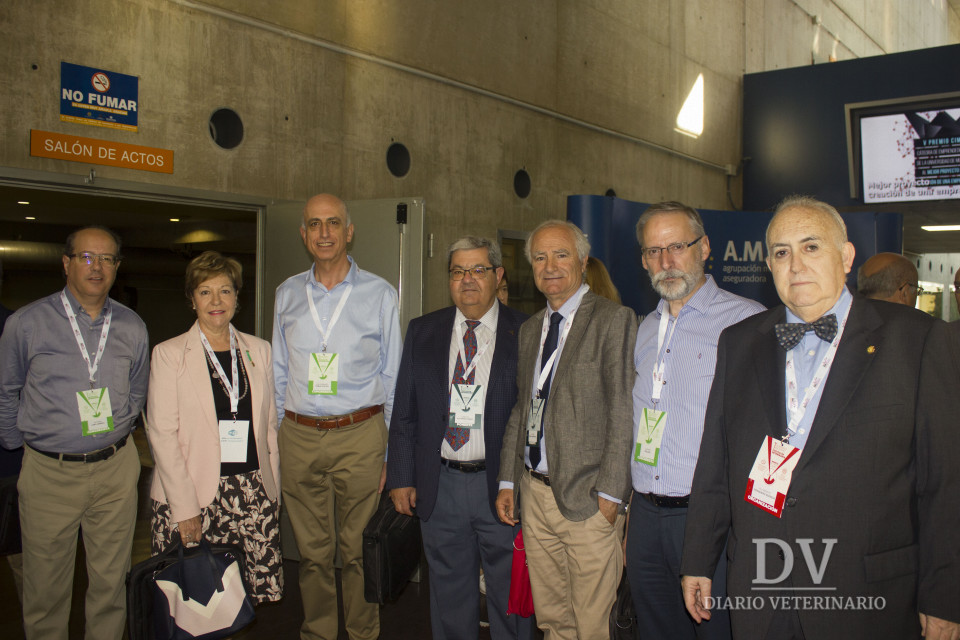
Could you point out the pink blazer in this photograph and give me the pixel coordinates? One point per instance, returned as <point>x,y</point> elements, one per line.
<point>182,423</point>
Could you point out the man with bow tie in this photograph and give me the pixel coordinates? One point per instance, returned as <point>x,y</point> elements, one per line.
<point>829,456</point>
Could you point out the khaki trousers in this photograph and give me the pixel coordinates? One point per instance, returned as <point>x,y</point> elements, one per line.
<point>341,466</point>
<point>575,567</point>
<point>56,499</point>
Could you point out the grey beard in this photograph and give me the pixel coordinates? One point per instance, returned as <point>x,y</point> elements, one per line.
<point>680,290</point>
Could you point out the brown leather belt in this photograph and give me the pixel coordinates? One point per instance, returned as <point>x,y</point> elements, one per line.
<point>335,422</point>
<point>541,477</point>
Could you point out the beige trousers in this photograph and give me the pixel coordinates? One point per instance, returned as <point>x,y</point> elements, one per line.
<point>575,567</point>
<point>56,499</point>
<point>341,466</point>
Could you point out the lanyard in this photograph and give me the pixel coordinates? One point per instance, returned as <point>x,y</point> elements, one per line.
<point>91,366</point>
<point>325,333</point>
<point>771,443</point>
<point>476,357</point>
<point>548,367</point>
<point>796,408</point>
<point>233,386</point>
<point>660,363</point>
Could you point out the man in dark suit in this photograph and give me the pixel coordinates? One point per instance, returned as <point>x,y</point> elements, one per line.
<point>829,453</point>
<point>455,390</point>
<point>565,457</point>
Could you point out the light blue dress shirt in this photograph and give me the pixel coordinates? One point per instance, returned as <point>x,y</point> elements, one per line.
<point>366,338</point>
<point>689,362</point>
<point>807,357</point>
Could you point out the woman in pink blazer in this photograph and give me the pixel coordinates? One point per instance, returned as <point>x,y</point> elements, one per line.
<point>212,426</point>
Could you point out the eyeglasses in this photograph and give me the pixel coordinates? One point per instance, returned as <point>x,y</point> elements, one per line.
<point>106,259</point>
<point>478,273</point>
<point>652,253</point>
<point>915,286</point>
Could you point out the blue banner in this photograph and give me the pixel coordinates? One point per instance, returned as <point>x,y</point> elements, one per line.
<point>98,97</point>
<point>737,246</point>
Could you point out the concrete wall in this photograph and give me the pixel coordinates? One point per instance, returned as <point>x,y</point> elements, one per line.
<point>582,94</point>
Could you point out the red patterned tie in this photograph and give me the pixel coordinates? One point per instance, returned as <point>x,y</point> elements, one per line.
<point>456,436</point>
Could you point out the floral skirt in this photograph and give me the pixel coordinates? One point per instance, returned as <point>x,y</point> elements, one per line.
<point>241,514</point>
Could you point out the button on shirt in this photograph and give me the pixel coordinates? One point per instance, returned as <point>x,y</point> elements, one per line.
<point>473,449</point>
<point>41,371</point>
<point>689,358</point>
<point>366,338</point>
<point>807,356</point>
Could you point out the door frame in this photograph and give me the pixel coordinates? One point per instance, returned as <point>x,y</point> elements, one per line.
<point>91,184</point>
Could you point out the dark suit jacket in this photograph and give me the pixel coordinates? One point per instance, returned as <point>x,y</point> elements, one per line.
<point>421,403</point>
<point>878,473</point>
<point>589,415</point>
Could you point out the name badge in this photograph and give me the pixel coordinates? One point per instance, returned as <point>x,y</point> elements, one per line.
<point>466,406</point>
<point>534,420</point>
<point>233,440</point>
<point>96,414</point>
<point>770,477</point>
<point>324,370</point>
<point>649,436</point>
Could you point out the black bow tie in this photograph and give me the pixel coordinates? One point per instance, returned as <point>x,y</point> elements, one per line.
<point>789,334</point>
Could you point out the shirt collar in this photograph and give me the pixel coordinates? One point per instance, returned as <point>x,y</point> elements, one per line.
<point>78,308</point>
<point>488,320</point>
<point>347,279</point>
<point>839,308</point>
<point>572,303</point>
<point>700,300</point>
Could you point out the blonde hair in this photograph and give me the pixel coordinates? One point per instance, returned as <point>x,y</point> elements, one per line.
<point>599,280</point>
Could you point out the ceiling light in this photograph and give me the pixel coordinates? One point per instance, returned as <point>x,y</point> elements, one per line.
<point>30,218</point>
<point>690,118</point>
<point>941,227</point>
<point>174,219</point>
<point>23,202</point>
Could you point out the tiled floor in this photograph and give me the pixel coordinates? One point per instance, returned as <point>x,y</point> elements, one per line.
<point>406,619</point>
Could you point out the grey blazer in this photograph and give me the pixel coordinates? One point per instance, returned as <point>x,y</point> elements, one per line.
<point>588,424</point>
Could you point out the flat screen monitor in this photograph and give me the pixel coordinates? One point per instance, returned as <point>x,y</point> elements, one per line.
<point>905,150</point>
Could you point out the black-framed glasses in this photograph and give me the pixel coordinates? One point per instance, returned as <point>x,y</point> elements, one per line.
<point>478,273</point>
<point>915,286</point>
<point>107,259</point>
<point>652,253</point>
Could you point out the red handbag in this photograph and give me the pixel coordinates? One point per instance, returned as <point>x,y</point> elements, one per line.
<point>520,601</point>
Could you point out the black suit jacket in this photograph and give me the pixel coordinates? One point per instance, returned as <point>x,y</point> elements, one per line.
<point>878,474</point>
<point>421,403</point>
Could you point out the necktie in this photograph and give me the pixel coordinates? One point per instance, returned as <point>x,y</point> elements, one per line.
<point>789,334</point>
<point>549,346</point>
<point>456,436</point>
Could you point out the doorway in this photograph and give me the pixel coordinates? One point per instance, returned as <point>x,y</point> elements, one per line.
<point>160,237</point>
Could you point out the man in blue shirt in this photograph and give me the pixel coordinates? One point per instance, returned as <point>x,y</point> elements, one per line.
<point>336,352</point>
<point>73,377</point>
<point>828,457</point>
<point>676,351</point>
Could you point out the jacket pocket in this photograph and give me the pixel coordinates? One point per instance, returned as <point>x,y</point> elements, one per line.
<point>891,564</point>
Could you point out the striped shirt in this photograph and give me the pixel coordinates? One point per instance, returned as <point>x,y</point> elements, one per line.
<point>689,365</point>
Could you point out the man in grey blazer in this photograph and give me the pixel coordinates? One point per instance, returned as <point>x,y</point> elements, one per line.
<point>829,454</point>
<point>565,458</point>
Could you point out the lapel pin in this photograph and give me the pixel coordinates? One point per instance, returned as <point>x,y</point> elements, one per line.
<point>871,349</point>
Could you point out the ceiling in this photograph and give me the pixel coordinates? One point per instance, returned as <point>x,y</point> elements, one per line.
<point>917,214</point>
<point>143,224</point>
